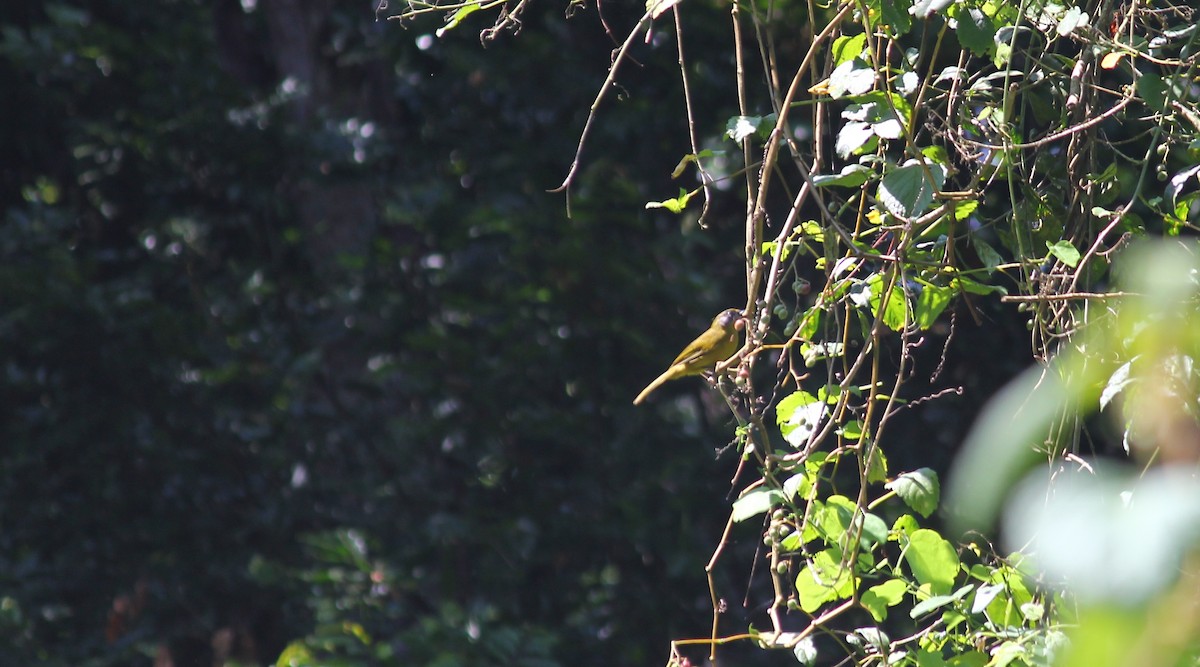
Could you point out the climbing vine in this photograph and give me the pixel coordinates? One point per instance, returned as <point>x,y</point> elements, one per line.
<point>911,161</point>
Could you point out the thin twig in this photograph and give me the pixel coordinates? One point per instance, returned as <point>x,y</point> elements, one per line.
<point>705,180</point>
<point>587,126</point>
<point>1064,296</point>
<point>1058,135</point>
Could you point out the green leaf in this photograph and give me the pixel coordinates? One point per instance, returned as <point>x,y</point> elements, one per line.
<point>834,520</point>
<point>932,560</point>
<point>1065,251</point>
<point>906,192</point>
<point>1121,378</point>
<point>296,653</point>
<point>895,310</point>
<point>870,638</point>
<point>1072,19</point>
<point>756,502</point>
<point>809,324</point>
<point>879,597</point>
<point>852,137</point>
<point>1153,91</point>
<point>927,658</point>
<point>987,254</point>
<point>1047,647</point>
<point>972,287</point>
<point>984,596</point>
<point>975,30</point>
<point>970,659</point>
<point>939,601</point>
<point>1032,611</point>
<point>814,352</point>
<point>877,466</point>
<point>812,229</point>
<point>798,416</point>
<point>810,532</point>
<point>675,205</point>
<point>852,175</point>
<point>792,541</point>
<point>806,651</point>
<point>964,209</point>
<point>930,303</point>
<point>848,47</point>
<point>741,127</point>
<point>918,489</point>
<point>457,17</point>
<point>940,155</point>
<point>895,14</point>
<point>852,430</point>
<point>886,114</point>
<point>799,484</point>
<point>905,525</point>
<point>823,580</point>
<point>875,531</point>
<point>690,158</point>
<point>853,77</point>
<point>1174,222</point>
<point>1006,653</point>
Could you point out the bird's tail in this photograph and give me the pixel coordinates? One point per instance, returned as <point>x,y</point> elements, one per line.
<point>658,381</point>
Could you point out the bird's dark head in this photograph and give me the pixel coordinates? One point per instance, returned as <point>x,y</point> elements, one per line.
<point>729,319</point>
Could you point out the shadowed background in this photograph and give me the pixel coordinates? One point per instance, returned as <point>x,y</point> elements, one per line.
<point>297,350</point>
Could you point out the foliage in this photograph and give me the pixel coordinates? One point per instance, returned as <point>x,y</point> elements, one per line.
<point>1122,540</point>
<point>959,152</point>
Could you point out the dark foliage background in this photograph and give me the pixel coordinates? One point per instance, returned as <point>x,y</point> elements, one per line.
<point>295,345</point>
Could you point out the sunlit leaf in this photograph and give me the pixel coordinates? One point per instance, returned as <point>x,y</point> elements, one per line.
<point>906,191</point>
<point>823,580</point>
<point>848,47</point>
<point>894,309</point>
<point>458,16</point>
<point>1073,19</point>
<point>930,303</point>
<point>879,597</point>
<point>674,205</point>
<point>939,601</point>
<point>851,175</point>
<point>853,77</point>
<point>932,559</point>
<point>755,502</point>
<point>852,137</point>
<point>798,416</point>
<point>1065,251</point>
<point>806,651</point>
<point>918,489</point>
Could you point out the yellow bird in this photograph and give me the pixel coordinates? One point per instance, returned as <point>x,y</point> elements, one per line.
<point>703,354</point>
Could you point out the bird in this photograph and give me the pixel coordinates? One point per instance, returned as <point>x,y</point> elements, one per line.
<point>710,348</point>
